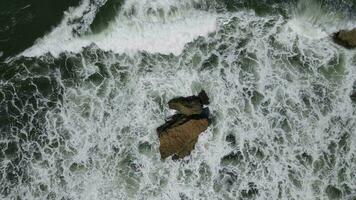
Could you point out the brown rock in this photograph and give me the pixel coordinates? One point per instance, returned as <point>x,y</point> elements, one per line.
<point>189,105</point>
<point>174,121</point>
<point>180,139</point>
<point>346,38</point>
<point>180,133</point>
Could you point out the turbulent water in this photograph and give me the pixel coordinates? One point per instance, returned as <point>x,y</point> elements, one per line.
<point>79,109</point>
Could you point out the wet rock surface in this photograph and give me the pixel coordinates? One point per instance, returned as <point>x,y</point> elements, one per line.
<point>189,105</point>
<point>346,38</point>
<point>180,133</point>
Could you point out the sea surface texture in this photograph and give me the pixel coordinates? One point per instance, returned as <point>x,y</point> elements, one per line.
<point>82,95</point>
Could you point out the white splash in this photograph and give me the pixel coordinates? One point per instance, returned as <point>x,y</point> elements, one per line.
<point>141,32</point>
<point>312,21</point>
<point>307,29</point>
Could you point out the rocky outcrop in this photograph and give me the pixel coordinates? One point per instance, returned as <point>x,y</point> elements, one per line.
<point>189,105</point>
<point>346,38</point>
<point>180,133</point>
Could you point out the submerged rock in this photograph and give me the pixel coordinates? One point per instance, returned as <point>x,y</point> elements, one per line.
<point>353,92</point>
<point>180,133</point>
<point>346,38</point>
<point>353,96</point>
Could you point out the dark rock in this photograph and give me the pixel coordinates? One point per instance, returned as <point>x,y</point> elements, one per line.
<point>231,139</point>
<point>353,92</point>
<point>346,38</point>
<point>353,96</point>
<point>204,99</point>
<point>180,133</point>
<point>189,105</point>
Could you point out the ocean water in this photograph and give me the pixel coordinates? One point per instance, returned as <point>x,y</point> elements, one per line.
<point>79,108</point>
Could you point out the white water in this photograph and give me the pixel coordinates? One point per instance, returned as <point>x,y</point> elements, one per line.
<point>304,106</point>
<point>166,31</point>
<point>311,20</point>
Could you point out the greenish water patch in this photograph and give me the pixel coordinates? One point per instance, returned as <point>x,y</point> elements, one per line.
<point>106,15</point>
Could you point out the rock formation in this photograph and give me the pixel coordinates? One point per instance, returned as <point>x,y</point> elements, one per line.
<point>189,105</point>
<point>346,38</point>
<point>180,133</point>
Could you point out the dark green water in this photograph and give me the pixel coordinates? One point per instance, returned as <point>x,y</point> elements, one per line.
<point>23,21</point>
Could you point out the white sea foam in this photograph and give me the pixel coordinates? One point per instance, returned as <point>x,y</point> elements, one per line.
<point>307,29</point>
<point>140,32</point>
<point>311,20</point>
<point>108,123</point>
